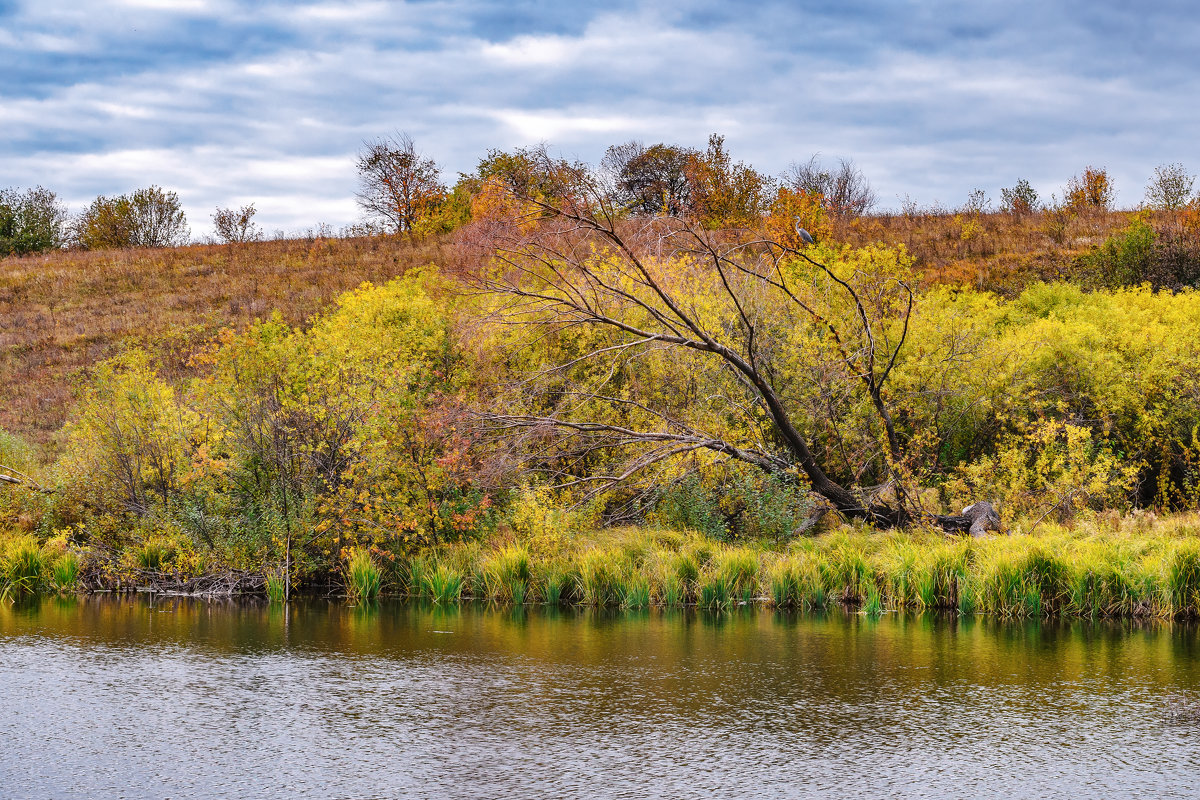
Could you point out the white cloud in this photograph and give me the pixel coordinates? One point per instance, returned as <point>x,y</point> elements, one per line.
<point>170,5</point>
<point>229,101</point>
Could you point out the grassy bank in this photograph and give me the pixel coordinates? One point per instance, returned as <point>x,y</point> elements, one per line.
<point>29,567</point>
<point>1125,569</point>
<point>1118,567</point>
<point>315,449</point>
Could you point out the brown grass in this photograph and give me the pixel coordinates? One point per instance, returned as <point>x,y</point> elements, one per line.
<point>62,313</point>
<point>996,251</point>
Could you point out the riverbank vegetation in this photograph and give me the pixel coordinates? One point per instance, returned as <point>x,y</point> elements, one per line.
<point>574,397</point>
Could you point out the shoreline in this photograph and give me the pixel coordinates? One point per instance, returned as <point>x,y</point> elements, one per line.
<point>1147,571</point>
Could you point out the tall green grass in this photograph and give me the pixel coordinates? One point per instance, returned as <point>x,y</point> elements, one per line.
<point>64,572</point>
<point>443,585</point>
<point>22,569</point>
<point>505,575</point>
<point>275,587</point>
<point>1119,571</point>
<point>1089,573</point>
<point>364,579</point>
<point>599,578</point>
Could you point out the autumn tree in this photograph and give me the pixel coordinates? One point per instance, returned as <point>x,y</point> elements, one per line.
<point>234,226</point>
<point>397,185</point>
<point>1090,190</point>
<point>650,180</point>
<point>725,193</point>
<point>1020,200</point>
<point>844,187</point>
<point>150,217</point>
<point>31,221</point>
<point>773,355</point>
<point>1170,187</point>
<point>527,172</point>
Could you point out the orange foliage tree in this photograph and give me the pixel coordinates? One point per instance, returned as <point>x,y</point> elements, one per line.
<point>1091,190</point>
<point>398,187</point>
<point>791,209</point>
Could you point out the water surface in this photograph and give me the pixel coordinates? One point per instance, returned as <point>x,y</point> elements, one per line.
<point>109,697</point>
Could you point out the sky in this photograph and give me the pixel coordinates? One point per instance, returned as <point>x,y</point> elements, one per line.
<point>229,103</point>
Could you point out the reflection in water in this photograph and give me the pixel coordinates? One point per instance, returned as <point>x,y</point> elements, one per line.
<point>109,697</point>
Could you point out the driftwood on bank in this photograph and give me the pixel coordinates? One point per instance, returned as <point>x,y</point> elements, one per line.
<point>977,519</point>
<point>103,572</point>
<point>216,584</point>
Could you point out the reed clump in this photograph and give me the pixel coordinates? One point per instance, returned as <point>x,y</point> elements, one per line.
<point>23,568</point>
<point>64,572</point>
<point>276,587</point>
<point>444,585</point>
<point>364,579</point>
<point>1115,568</point>
<point>505,575</point>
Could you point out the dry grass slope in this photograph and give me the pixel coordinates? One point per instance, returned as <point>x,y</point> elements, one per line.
<point>61,313</point>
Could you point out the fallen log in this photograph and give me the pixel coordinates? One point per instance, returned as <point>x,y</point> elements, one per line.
<point>17,478</point>
<point>976,519</point>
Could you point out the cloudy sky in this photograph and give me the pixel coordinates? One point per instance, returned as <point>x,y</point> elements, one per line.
<point>230,103</point>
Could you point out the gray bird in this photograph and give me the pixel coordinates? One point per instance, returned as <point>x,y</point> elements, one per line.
<point>804,235</point>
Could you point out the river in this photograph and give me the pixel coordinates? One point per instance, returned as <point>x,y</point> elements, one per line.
<point>106,697</point>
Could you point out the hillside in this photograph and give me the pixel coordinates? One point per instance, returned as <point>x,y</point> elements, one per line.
<point>64,312</point>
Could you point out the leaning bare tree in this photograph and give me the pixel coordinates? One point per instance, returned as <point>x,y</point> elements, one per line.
<point>792,347</point>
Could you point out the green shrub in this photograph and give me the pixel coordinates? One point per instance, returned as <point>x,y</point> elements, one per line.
<point>688,505</point>
<point>1125,258</point>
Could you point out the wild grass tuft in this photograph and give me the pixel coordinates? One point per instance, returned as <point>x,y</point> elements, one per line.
<point>636,592</point>
<point>64,572</point>
<point>364,579</point>
<point>556,581</point>
<point>1183,578</point>
<point>443,585</point>
<point>599,579</point>
<point>23,569</point>
<point>155,554</point>
<point>715,593</point>
<point>872,600</point>
<point>785,582</point>
<point>414,580</point>
<point>505,575</point>
<point>738,570</point>
<point>276,588</point>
